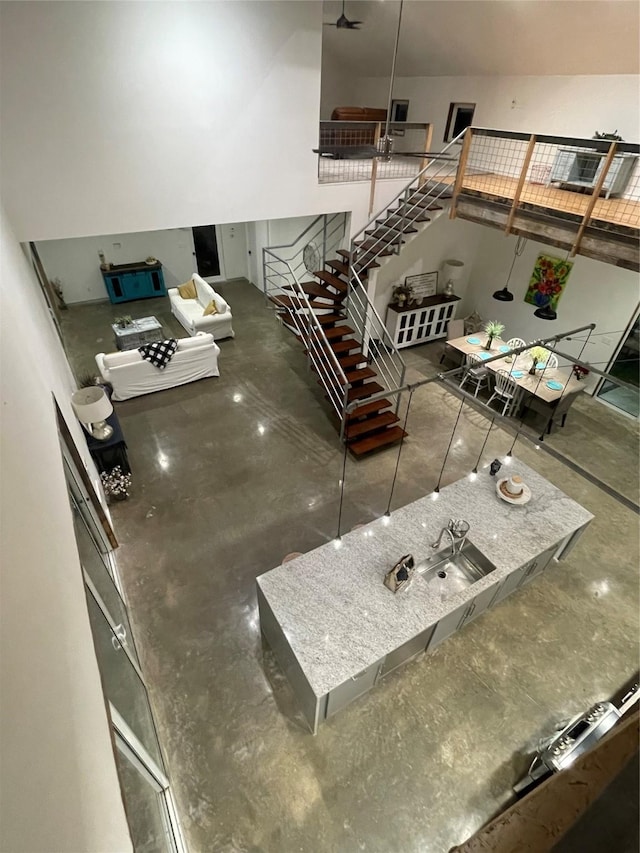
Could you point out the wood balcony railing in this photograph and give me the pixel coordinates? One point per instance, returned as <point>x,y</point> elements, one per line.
<point>582,194</point>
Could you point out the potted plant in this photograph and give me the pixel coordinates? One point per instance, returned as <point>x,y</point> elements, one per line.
<point>401,295</point>
<point>539,356</point>
<point>124,322</point>
<point>493,330</point>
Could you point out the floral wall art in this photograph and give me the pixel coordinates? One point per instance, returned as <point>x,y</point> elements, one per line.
<point>547,281</point>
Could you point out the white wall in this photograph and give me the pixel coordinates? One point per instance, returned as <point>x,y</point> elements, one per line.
<point>442,239</point>
<point>338,85</point>
<point>595,293</point>
<point>75,262</point>
<point>139,116</point>
<point>59,785</point>
<point>567,106</point>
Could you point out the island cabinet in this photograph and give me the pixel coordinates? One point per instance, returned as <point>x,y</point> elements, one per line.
<point>336,630</point>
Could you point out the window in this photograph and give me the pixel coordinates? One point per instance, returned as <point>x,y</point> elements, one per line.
<point>460,118</point>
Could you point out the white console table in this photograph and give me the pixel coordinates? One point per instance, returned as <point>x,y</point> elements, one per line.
<point>421,323</point>
<point>581,168</point>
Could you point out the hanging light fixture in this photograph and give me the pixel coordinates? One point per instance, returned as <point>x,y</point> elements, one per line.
<point>505,294</point>
<point>545,311</point>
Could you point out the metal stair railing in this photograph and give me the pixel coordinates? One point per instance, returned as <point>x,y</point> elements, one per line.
<point>278,274</point>
<point>377,344</point>
<point>327,232</point>
<point>440,166</point>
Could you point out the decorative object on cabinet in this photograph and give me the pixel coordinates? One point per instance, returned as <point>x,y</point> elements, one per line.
<point>422,285</point>
<point>400,295</point>
<point>451,272</point>
<point>493,330</point>
<point>138,280</point>
<point>580,169</point>
<point>419,324</point>
<point>547,282</point>
<point>92,406</point>
<point>401,575</point>
<point>505,294</point>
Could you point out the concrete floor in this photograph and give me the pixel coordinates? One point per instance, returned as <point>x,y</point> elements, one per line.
<point>230,475</point>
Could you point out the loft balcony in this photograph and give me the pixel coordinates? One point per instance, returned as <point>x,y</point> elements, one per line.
<point>581,195</point>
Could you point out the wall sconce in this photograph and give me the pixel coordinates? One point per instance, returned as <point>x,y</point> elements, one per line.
<point>93,407</point>
<point>452,272</point>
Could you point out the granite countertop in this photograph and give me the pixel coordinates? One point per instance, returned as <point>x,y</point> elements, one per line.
<point>331,603</point>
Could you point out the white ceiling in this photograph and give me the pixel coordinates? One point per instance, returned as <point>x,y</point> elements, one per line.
<point>487,37</point>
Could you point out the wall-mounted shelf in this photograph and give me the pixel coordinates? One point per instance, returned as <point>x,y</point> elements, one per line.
<point>421,323</point>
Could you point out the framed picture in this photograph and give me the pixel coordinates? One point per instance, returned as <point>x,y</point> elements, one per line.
<point>548,280</point>
<point>422,285</point>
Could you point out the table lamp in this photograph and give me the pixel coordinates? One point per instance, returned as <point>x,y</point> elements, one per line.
<point>93,407</point>
<point>452,272</point>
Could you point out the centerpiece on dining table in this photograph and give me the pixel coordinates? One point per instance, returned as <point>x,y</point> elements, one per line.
<point>493,330</point>
<point>539,357</point>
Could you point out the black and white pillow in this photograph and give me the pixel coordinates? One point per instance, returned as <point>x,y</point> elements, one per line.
<point>159,353</point>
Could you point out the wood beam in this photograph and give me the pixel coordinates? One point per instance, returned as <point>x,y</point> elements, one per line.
<point>462,165</point>
<point>427,147</point>
<point>595,195</point>
<point>523,175</point>
<point>374,168</point>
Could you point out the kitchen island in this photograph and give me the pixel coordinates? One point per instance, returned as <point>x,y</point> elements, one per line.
<point>335,629</point>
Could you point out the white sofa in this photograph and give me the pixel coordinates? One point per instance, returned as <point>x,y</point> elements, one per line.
<point>189,312</point>
<point>131,375</point>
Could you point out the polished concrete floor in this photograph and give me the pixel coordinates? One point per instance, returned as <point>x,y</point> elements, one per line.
<point>230,475</point>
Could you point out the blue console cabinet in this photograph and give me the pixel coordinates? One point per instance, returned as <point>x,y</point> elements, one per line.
<point>125,282</point>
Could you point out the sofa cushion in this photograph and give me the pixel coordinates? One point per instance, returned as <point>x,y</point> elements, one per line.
<point>199,340</point>
<point>188,290</point>
<point>115,359</point>
<point>211,308</point>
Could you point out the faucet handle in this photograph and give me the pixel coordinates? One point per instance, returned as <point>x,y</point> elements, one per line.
<point>459,527</point>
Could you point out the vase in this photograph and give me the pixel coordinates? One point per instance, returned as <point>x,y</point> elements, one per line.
<point>489,342</point>
<point>532,369</point>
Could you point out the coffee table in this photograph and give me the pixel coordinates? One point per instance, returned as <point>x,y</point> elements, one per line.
<point>142,331</point>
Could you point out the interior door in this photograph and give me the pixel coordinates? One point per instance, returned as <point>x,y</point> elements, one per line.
<point>207,254</point>
<point>626,366</point>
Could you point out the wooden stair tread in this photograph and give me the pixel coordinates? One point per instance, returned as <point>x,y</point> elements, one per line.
<point>377,440</point>
<point>378,247</point>
<point>365,390</point>
<point>396,219</point>
<point>368,409</point>
<point>359,375</point>
<point>339,266</point>
<point>332,280</point>
<point>338,332</point>
<point>312,288</point>
<point>329,319</point>
<point>347,360</point>
<point>283,301</point>
<point>360,428</point>
<point>390,231</point>
<point>344,346</point>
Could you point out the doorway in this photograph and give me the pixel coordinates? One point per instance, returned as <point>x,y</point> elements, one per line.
<point>205,244</point>
<point>625,366</point>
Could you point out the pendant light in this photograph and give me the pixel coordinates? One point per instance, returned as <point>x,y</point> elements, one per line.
<point>546,312</point>
<point>505,294</point>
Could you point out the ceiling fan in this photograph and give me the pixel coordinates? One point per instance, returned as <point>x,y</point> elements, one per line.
<point>343,23</point>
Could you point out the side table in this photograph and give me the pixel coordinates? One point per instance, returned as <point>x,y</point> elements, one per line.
<point>110,453</point>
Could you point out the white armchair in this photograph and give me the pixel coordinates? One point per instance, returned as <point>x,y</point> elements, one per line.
<point>190,312</point>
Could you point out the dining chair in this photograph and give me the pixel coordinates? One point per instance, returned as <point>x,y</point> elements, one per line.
<point>552,361</point>
<point>513,343</point>
<point>455,329</point>
<point>475,372</point>
<point>506,389</point>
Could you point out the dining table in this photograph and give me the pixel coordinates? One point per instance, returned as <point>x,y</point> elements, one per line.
<point>550,391</point>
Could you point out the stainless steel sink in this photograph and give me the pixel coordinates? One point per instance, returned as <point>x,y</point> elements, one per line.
<point>447,574</point>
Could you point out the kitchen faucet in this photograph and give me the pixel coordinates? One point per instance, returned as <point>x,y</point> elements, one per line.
<point>457,530</point>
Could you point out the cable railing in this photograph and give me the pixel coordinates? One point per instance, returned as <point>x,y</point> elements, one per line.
<point>281,280</point>
<point>319,241</point>
<point>433,183</point>
<point>376,342</point>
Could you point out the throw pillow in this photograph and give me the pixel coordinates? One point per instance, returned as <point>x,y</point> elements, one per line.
<point>188,290</point>
<point>211,308</point>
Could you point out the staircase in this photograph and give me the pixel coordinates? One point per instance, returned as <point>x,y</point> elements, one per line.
<point>328,309</point>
